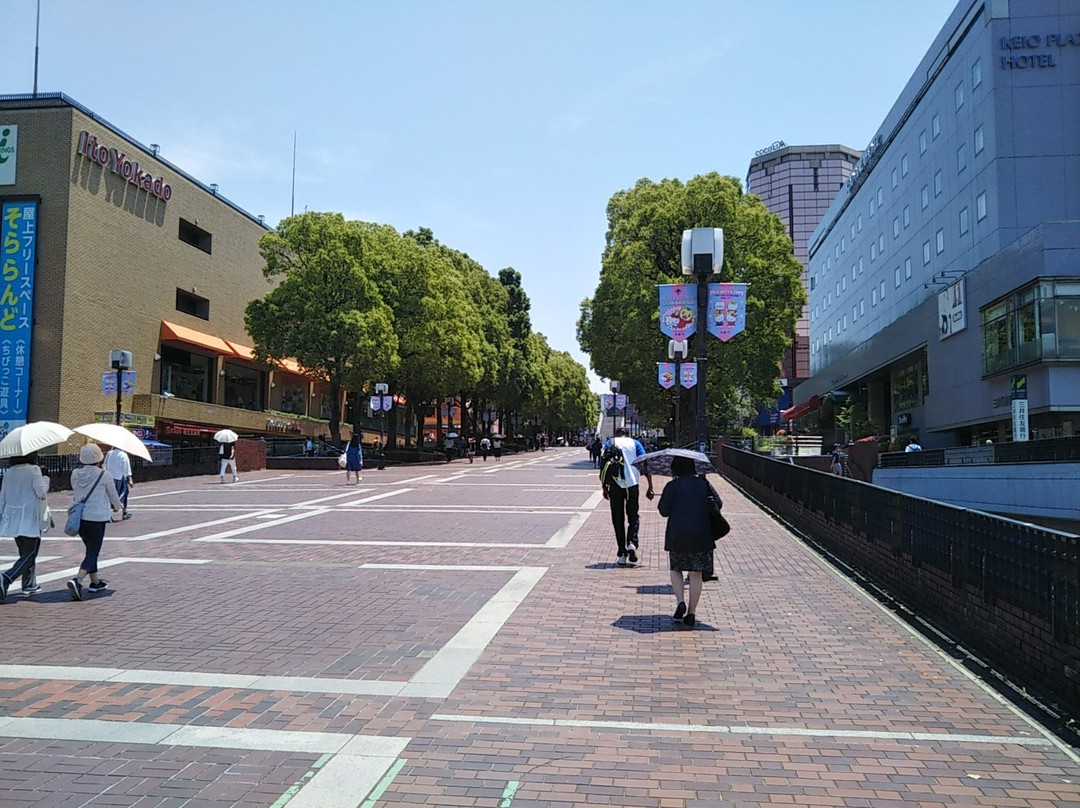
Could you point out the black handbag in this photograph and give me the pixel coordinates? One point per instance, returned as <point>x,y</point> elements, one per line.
<point>718,525</point>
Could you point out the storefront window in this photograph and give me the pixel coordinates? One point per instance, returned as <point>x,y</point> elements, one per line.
<point>1038,322</point>
<point>244,387</point>
<point>292,398</point>
<point>185,374</point>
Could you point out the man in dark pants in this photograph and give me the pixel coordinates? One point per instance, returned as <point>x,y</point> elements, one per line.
<point>621,490</point>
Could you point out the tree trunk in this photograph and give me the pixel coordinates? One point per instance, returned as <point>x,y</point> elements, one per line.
<point>335,413</point>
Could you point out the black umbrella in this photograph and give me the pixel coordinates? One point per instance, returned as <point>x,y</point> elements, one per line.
<point>660,462</point>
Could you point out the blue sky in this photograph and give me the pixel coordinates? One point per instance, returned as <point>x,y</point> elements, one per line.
<point>505,127</point>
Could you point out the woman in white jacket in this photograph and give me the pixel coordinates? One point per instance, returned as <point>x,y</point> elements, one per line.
<point>20,517</point>
<point>94,485</point>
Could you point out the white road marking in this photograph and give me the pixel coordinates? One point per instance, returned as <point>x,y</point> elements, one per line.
<point>741,729</point>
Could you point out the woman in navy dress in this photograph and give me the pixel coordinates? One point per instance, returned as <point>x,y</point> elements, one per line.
<point>354,459</point>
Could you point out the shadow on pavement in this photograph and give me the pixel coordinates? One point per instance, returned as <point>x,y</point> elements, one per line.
<point>655,624</point>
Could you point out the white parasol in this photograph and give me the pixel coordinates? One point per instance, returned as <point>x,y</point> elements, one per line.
<point>32,437</point>
<point>117,436</point>
<point>226,436</point>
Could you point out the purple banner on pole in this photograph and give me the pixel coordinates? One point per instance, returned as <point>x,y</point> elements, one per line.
<point>726,313</point>
<point>666,374</point>
<point>607,402</point>
<point>688,372</point>
<point>678,308</point>
<point>620,402</point>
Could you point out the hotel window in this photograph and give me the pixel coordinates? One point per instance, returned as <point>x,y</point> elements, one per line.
<point>979,140</point>
<point>195,236</point>
<point>976,74</point>
<point>980,206</point>
<point>963,221</point>
<point>853,272</point>
<point>880,197</point>
<point>922,142</point>
<point>926,252</point>
<point>881,291</point>
<point>828,300</point>
<point>860,265</point>
<point>907,216</point>
<point>836,249</point>
<point>924,197</point>
<point>961,159</point>
<point>896,277</point>
<point>862,306</point>
<point>871,207</point>
<point>843,245</point>
<point>935,126</point>
<point>843,282</point>
<point>937,183</point>
<point>853,233</point>
<point>838,288</point>
<point>896,227</point>
<point>881,243</point>
<point>858,220</point>
<point>939,241</point>
<point>873,251</point>
<point>813,282</point>
<point>192,304</point>
<point>854,313</point>
<point>895,179</point>
<point>907,269</point>
<point>958,95</point>
<point>903,166</point>
<point>873,297</point>
<point>838,326</point>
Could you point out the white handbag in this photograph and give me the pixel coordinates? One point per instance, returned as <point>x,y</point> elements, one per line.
<point>45,515</point>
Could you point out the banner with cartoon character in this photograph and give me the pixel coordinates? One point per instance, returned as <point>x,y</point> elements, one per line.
<point>666,374</point>
<point>678,305</point>
<point>620,402</point>
<point>607,404</point>
<point>726,313</point>
<point>688,374</point>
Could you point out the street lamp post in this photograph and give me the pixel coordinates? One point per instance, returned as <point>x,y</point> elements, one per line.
<point>702,256</point>
<point>678,350</point>
<point>119,361</point>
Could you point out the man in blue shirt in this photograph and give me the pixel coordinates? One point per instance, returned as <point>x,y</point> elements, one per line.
<point>621,491</point>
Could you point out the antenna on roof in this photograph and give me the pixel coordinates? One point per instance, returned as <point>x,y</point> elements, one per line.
<point>37,39</point>
<point>292,203</point>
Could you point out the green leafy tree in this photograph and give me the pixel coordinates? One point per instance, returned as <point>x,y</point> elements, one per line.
<point>619,326</point>
<point>326,311</point>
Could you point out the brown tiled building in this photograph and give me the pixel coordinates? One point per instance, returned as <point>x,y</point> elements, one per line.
<point>134,254</point>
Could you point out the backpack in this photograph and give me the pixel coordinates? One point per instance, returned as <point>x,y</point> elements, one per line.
<point>612,465</point>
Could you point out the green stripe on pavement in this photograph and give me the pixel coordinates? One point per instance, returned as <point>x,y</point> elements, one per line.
<point>508,793</point>
<point>288,795</point>
<point>384,784</point>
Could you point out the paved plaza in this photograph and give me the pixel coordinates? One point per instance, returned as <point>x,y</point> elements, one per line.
<point>459,635</point>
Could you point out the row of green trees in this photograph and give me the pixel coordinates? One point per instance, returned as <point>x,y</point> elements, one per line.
<point>619,326</point>
<point>359,303</point>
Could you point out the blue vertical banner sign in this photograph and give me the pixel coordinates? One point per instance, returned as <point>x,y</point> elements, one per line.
<point>726,312</point>
<point>620,402</point>
<point>18,245</point>
<point>678,310</point>
<point>607,403</point>
<point>666,374</point>
<point>688,372</point>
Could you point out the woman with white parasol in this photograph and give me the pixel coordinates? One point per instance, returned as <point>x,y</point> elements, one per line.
<point>227,452</point>
<point>22,497</point>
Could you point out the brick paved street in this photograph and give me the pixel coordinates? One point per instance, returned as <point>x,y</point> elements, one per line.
<point>458,635</point>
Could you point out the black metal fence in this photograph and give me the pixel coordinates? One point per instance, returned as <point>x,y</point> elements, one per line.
<point>185,462</point>
<point>1035,569</point>
<point>1052,450</point>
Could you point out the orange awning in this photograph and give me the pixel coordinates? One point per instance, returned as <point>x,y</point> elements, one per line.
<point>799,410</point>
<point>181,333</point>
<point>242,351</point>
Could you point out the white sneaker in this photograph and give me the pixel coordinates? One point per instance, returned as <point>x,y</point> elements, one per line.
<point>621,560</point>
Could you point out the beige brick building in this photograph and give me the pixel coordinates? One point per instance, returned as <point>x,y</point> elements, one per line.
<point>134,254</point>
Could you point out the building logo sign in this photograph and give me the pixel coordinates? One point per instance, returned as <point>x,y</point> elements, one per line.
<point>18,244</point>
<point>952,310</point>
<point>9,149</point>
<point>118,163</point>
<point>1020,47</point>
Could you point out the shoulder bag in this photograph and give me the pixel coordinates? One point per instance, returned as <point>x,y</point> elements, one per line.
<point>45,519</point>
<point>718,525</point>
<point>75,511</point>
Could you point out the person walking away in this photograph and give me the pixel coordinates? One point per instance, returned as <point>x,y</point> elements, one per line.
<point>118,464</point>
<point>90,485</point>
<point>354,459</point>
<point>470,449</point>
<point>485,447</point>
<point>594,451</point>
<point>619,482</point>
<point>913,446</point>
<point>227,453</point>
<point>687,537</point>
<point>496,447</point>
<point>309,448</point>
<point>20,517</point>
